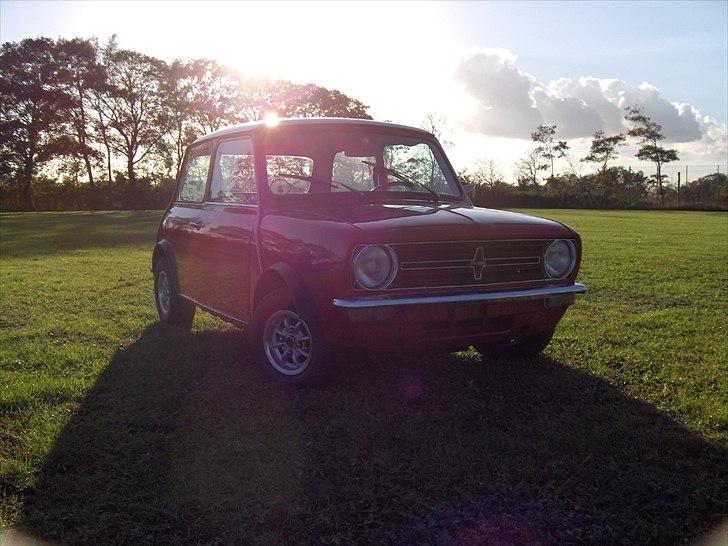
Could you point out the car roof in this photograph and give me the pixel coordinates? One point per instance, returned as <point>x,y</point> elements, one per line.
<point>304,122</point>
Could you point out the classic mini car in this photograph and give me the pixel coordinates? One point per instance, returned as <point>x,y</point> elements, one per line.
<point>341,233</point>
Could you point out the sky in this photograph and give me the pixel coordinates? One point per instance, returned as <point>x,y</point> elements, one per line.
<point>494,69</point>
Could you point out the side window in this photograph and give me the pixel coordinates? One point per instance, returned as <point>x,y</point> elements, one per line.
<point>233,174</point>
<point>289,173</point>
<point>194,174</point>
<point>353,171</point>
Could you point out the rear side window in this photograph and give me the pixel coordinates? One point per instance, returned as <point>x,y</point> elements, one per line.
<point>194,174</point>
<point>233,174</point>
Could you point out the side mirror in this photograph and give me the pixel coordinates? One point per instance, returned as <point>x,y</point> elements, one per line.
<point>468,188</point>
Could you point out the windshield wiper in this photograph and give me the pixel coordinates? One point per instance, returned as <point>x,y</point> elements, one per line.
<point>330,183</point>
<point>402,178</point>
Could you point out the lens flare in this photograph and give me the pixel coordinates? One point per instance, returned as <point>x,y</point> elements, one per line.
<point>271,119</point>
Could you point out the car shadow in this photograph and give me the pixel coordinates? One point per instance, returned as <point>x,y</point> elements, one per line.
<point>183,440</point>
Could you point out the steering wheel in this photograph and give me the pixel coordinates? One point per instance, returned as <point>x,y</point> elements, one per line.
<point>386,185</point>
<point>280,186</point>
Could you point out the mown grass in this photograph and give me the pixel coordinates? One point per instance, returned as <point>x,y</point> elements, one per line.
<point>114,429</point>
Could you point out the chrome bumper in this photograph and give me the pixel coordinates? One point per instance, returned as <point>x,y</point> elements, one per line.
<point>511,295</point>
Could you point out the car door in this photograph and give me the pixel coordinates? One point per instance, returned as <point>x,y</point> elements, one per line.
<point>184,220</point>
<point>226,243</point>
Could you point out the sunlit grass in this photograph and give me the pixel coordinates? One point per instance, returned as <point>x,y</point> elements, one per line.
<point>113,429</point>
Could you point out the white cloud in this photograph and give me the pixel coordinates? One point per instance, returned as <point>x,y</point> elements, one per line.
<point>502,92</point>
<point>509,102</point>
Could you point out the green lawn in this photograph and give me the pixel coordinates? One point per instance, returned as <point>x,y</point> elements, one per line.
<point>114,429</point>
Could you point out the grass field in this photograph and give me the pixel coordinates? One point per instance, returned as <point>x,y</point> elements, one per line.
<point>114,429</point>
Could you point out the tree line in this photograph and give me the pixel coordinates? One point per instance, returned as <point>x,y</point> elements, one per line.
<point>90,125</point>
<point>608,186</point>
<point>87,125</point>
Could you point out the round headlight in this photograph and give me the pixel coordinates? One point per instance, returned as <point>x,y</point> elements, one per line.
<point>375,266</point>
<point>559,258</point>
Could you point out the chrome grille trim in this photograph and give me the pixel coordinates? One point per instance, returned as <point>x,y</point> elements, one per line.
<point>464,264</point>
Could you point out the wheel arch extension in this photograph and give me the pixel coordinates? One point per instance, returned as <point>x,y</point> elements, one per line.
<point>282,275</point>
<point>163,249</point>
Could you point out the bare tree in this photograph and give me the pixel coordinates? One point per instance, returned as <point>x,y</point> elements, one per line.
<point>487,173</point>
<point>437,124</point>
<point>528,167</point>
<point>575,164</point>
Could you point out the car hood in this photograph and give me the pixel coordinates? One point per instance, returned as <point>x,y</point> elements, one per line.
<point>390,222</point>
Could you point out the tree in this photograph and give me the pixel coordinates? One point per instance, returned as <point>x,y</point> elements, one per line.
<point>575,165</point>
<point>103,107</point>
<point>604,149</point>
<point>528,167</point>
<point>183,129</point>
<point>311,100</point>
<point>549,149</point>
<point>437,125</point>
<point>213,94</point>
<point>81,76</point>
<point>31,110</point>
<point>649,135</point>
<point>139,105</point>
<point>487,173</point>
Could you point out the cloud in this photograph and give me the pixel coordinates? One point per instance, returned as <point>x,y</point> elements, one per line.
<point>503,94</point>
<point>509,102</point>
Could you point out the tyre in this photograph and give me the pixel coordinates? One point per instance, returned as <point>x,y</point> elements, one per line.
<point>522,347</point>
<point>287,345</point>
<point>171,306</point>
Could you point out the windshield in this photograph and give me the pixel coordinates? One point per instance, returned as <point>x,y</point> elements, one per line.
<point>374,164</point>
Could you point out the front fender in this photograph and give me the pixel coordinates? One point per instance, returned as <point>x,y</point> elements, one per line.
<point>282,274</point>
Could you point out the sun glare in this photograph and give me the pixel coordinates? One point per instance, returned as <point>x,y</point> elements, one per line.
<point>271,119</point>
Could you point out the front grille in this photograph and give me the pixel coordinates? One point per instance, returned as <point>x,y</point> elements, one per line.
<point>468,263</point>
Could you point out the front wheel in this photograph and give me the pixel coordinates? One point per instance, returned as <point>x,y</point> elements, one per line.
<point>288,346</point>
<point>522,347</point>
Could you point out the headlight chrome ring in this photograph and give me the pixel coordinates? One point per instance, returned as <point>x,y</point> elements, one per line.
<point>374,266</point>
<point>559,259</point>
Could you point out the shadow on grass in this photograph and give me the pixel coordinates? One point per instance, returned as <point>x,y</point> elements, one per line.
<point>183,441</point>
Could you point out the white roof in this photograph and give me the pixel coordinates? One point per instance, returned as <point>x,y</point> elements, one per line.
<point>283,122</point>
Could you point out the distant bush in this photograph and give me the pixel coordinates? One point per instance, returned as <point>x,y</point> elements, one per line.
<point>141,194</point>
<point>615,188</point>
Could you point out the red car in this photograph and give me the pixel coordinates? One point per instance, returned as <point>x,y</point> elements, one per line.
<point>324,233</point>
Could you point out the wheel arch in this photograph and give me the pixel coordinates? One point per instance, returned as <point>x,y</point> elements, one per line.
<point>282,275</point>
<point>163,249</point>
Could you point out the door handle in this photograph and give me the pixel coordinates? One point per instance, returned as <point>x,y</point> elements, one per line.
<point>195,225</point>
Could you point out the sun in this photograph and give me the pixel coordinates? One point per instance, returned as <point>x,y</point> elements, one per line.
<point>271,119</point>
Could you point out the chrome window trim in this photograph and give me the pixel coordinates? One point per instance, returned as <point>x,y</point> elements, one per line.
<point>511,295</point>
<point>213,162</point>
<point>220,204</point>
